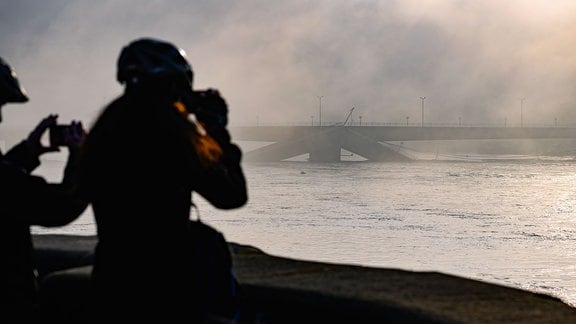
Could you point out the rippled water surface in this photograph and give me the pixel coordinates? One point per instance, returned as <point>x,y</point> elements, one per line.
<point>512,223</point>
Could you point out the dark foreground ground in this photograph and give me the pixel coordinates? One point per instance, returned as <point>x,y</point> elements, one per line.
<point>281,290</point>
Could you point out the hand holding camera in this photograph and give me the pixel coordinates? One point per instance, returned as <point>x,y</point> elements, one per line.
<point>71,135</point>
<point>34,142</point>
<point>210,108</point>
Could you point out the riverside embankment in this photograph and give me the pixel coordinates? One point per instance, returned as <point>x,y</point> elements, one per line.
<point>283,290</point>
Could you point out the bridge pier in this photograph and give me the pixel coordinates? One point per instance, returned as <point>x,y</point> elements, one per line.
<point>326,147</point>
<point>325,144</point>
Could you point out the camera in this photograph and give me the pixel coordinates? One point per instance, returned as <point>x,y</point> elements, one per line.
<point>195,99</point>
<point>208,106</point>
<point>58,134</point>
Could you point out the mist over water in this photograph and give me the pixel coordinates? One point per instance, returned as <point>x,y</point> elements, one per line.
<point>472,60</point>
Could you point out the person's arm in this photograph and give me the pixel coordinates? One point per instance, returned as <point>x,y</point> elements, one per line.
<point>26,154</point>
<point>37,201</point>
<point>222,183</point>
<point>22,158</point>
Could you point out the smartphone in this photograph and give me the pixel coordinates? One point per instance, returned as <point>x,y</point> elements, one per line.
<point>58,134</point>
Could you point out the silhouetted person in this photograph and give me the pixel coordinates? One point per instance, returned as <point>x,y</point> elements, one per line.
<point>143,159</point>
<point>27,200</point>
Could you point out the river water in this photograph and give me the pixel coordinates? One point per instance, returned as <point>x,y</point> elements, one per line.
<point>510,222</point>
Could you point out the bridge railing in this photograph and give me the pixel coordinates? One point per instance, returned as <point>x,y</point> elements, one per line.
<point>409,124</point>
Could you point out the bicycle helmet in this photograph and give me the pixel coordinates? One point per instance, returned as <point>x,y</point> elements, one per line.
<point>150,59</point>
<point>10,89</point>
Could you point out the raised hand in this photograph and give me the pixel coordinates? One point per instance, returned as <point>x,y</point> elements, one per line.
<point>34,142</point>
<point>75,135</point>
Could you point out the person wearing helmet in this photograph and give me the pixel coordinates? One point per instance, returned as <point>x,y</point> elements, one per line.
<point>27,200</point>
<point>11,90</point>
<point>149,150</point>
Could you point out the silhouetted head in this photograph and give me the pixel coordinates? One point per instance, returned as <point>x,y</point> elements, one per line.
<point>151,61</point>
<point>10,89</point>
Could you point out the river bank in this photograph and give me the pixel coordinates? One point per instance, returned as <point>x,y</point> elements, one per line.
<point>283,290</point>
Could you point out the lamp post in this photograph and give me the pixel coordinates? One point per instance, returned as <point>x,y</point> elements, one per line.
<point>360,120</point>
<point>522,112</point>
<point>320,110</point>
<point>422,98</point>
<point>311,120</point>
<point>407,118</point>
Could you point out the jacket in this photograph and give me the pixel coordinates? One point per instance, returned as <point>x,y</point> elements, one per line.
<point>27,200</point>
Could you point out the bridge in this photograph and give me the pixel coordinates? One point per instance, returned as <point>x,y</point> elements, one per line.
<point>324,143</point>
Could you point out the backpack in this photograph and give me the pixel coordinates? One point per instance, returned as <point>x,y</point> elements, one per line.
<point>216,288</point>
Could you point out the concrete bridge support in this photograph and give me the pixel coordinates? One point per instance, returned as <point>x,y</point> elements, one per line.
<point>368,147</point>
<point>325,145</point>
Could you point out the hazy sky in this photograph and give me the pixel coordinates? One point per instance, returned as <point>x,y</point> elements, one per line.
<point>271,60</point>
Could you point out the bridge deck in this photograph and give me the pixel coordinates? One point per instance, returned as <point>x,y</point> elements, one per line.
<point>325,143</point>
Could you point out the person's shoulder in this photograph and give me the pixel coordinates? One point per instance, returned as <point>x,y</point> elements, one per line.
<point>116,104</point>
<point>112,109</point>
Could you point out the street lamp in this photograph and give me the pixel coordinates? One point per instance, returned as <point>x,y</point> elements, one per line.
<point>407,118</point>
<point>422,98</point>
<point>320,110</point>
<point>360,118</point>
<point>312,120</point>
<point>522,112</point>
